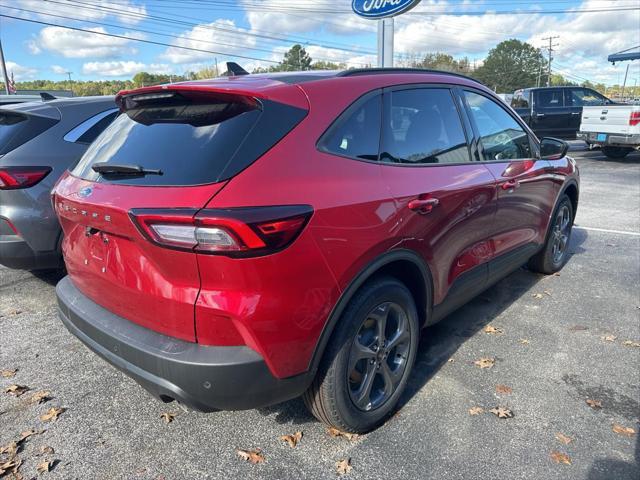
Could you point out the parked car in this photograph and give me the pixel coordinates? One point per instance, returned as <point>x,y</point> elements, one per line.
<point>555,111</point>
<point>614,128</point>
<point>234,243</point>
<point>38,141</point>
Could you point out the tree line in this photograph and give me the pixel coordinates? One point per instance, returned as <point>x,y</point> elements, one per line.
<point>509,66</point>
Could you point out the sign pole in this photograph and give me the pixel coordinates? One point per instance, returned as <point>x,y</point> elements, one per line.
<point>385,42</point>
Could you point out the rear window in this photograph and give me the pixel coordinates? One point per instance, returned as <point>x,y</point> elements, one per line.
<point>17,129</point>
<point>191,140</point>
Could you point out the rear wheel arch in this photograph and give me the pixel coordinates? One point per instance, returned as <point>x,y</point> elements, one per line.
<point>403,265</point>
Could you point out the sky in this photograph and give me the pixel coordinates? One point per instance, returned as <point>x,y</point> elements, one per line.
<point>257,33</point>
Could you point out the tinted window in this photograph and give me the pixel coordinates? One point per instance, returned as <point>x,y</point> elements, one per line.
<point>16,129</point>
<point>357,132</point>
<point>550,98</point>
<point>501,136</point>
<point>88,131</point>
<point>93,132</point>
<point>423,126</point>
<point>191,141</point>
<point>583,96</point>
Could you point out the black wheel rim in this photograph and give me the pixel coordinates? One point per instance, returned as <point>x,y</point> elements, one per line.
<point>378,356</point>
<point>560,234</point>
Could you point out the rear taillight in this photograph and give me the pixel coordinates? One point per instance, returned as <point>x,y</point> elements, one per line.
<point>634,119</point>
<point>237,232</point>
<point>12,178</point>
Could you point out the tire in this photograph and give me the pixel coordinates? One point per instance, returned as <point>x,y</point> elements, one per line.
<point>555,252</point>
<point>616,153</point>
<point>338,395</point>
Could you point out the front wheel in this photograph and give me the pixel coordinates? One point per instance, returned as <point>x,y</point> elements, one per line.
<point>616,153</point>
<point>368,360</point>
<point>555,252</point>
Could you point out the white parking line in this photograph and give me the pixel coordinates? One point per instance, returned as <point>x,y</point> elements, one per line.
<point>619,232</point>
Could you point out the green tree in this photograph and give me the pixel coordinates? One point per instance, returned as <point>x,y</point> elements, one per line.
<point>511,65</point>
<point>441,61</point>
<point>296,58</point>
<point>323,65</point>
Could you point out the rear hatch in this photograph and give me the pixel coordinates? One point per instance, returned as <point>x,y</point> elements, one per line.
<point>170,152</point>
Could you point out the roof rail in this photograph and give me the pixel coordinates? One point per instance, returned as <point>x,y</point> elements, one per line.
<point>373,71</point>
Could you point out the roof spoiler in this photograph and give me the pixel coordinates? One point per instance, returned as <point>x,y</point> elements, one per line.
<point>234,70</point>
<point>46,97</point>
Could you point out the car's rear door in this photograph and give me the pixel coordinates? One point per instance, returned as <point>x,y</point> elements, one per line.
<point>551,117</point>
<point>576,98</point>
<point>445,200</point>
<point>525,188</point>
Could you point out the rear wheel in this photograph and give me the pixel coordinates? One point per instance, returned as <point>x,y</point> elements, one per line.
<point>616,152</point>
<point>368,360</point>
<point>555,252</point>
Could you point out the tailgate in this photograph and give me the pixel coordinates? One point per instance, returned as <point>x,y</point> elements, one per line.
<point>606,119</point>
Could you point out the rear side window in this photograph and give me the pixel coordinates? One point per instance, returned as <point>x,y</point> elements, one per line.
<point>520,100</point>
<point>422,126</point>
<point>192,140</point>
<point>502,138</point>
<point>17,129</point>
<point>550,98</point>
<point>89,130</point>
<point>356,134</point>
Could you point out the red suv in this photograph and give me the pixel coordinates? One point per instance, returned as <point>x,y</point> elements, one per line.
<point>237,242</point>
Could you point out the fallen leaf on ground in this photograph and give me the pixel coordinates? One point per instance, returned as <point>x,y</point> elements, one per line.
<point>451,360</point>
<point>503,389</point>
<point>562,438</point>
<point>44,466</point>
<point>343,466</point>
<point>476,410</point>
<point>168,417</point>
<point>292,440</point>
<point>490,329</point>
<point>547,292</point>
<point>52,414</point>
<point>609,338</point>
<point>626,431</point>
<point>46,450</point>
<point>502,412</point>
<point>41,396</point>
<point>252,456</point>
<point>9,449</point>
<point>559,457</point>
<point>629,343</point>
<point>524,341</point>
<point>16,390</point>
<point>334,432</point>
<point>595,404</point>
<point>27,433</point>
<point>8,373</point>
<point>11,465</point>
<point>14,312</point>
<point>537,295</point>
<point>485,362</point>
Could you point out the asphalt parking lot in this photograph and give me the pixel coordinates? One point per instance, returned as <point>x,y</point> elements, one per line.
<point>561,340</point>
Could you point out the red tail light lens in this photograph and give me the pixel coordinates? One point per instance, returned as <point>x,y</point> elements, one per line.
<point>236,232</point>
<point>634,119</point>
<point>12,178</point>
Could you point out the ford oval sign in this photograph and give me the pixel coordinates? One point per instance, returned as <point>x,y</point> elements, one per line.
<point>85,192</point>
<point>375,9</point>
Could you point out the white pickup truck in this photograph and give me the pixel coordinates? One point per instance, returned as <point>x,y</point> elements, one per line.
<point>615,128</point>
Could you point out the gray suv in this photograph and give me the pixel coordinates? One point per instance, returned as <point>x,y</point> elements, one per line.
<point>38,142</point>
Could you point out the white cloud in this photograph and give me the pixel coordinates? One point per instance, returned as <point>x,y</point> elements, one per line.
<point>32,46</point>
<point>221,35</point>
<point>58,69</point>
<point>75,44</point>
<point>21,72</point>
<point>124,10</point>
<point>123,68</point>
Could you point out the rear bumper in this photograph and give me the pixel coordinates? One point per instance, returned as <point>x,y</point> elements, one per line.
<point>201,377</point>
<point>611,139</point>
<point>16,253</point>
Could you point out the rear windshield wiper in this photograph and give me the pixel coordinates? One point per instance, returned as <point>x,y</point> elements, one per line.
<point>123,169</point>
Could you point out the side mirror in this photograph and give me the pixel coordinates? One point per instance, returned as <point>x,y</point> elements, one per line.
<point>553,148</point>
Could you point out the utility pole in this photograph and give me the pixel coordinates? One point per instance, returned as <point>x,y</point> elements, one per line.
<point>4,70</point>
<point>550,51</point>
<point>625,81</point>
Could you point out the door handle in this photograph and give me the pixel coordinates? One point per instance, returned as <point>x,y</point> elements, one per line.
<point>539,114</point>
<point>510,185</point>
<point>423,205</point>
<point>575,113</point>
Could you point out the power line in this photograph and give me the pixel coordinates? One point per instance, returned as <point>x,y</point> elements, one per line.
<point>550,51</point>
